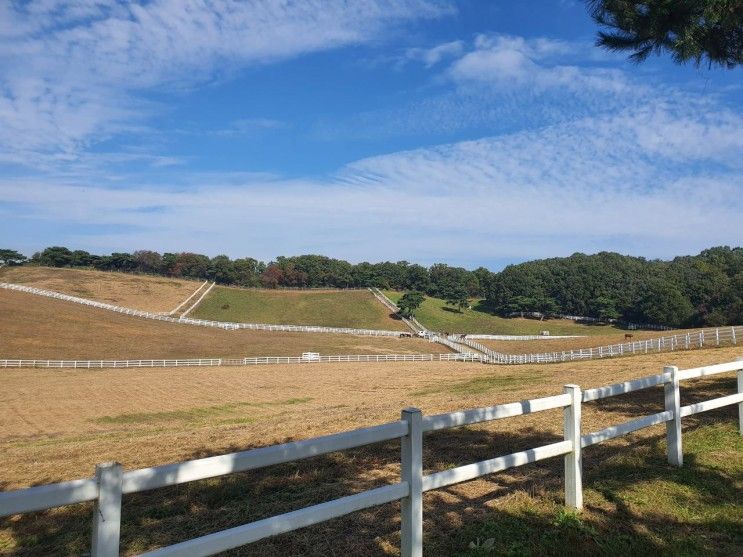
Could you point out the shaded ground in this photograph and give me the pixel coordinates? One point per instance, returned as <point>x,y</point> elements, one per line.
<point>133,291</point>
<point>635,502</point>
<point>358,309</point>
<point>437,316</point>
<point>34,327</point>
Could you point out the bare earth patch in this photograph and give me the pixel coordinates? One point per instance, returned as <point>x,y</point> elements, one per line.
<point>148,293</point>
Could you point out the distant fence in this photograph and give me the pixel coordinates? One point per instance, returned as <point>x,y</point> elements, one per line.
<point>411,322</point>
<point>199,322</point>
<point>111,482</point>
<point>184,302</point>
<point>257,360</point>
<point>586,319</point>
<point>520,337</point>
<point>682,341</point>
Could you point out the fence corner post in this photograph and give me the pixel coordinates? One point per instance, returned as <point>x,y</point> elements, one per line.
<point>107,511</point>
<point>411,523</point>
<point>673,426</point>
<point>573,464</point>
<point>740,391</point>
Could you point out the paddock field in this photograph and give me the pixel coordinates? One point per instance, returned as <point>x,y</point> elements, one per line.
<point>357,309</point>
<point>559,344</point>
<point>148,293</point>
<point>35,327</point>
<point>437,316</point>
<point>56,425</point>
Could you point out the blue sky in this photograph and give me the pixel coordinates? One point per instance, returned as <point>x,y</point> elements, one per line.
<point>472,133</point>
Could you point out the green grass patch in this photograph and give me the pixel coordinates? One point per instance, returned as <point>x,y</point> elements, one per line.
<point>437,316</point>
<point>636,504</point>
<point>353,308</point>
<point>483,384</point>
<point>200,414</point>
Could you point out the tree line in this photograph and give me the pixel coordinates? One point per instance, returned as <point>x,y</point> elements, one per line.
<point>700,290</point>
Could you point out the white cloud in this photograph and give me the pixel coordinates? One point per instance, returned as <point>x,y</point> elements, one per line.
<point>507,61</point>
<point>434,55</point>
<point>585,185</point>
<point>71,73</point>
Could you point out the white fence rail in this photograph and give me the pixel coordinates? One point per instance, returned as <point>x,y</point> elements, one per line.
<point>683,341</point>
<point>520,337</point>
<point>199,322</point>
<point>111,482</point>
<point>258,360</point>
<point>411,322</point>
<point>184,302</point>
<point>198,300</point>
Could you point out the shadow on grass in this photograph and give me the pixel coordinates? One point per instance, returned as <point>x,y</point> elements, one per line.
<point>520,510</point>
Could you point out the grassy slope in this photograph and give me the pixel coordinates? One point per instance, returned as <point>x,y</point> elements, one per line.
<point>38,327</point>
<point>144,292</point>
<point>331,308</point>
<point>635,504</point>
<point>436,315</point>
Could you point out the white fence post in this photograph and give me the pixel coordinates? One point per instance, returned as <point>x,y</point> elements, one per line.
<point>107,511</point>
<point>673,427</point>
<point>411,508</point>
<point>573,469</point>
<point>740,390</point>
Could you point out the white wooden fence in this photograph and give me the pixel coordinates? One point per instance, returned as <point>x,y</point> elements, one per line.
<point>519,337</point>
<point>411,322</point>
<point>198,300</point>
<point>111,482</point>
<point>199,322</point>
<point>258,360</point>
<point>683,341</point>
<point>184,302</point>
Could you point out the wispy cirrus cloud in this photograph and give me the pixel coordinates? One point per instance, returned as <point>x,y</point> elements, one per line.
<point>72,74</point>
<point>520,195</point>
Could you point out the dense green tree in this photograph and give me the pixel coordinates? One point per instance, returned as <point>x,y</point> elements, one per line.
<point>690,30</point>
<point>604,285</point>
<point>55,256</point>
<point>410,302</point>
<point>11,257</point>
<point>664,303</point>
<point>457,296</point>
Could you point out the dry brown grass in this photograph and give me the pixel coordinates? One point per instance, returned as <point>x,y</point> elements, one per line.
<point>57,425</point>
<point>35,327</point>
<point>133,291</point>
<point>560,344</point>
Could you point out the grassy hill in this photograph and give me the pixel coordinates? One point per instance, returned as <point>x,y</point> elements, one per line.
<point>143,292</point>
<point>34,327</point>
<point>437,316</point>
<point>329,308</point>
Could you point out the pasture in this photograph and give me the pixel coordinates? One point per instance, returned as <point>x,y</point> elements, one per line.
<point>437,316</point>
<point>148,293</point>
<point>57,425</point>
<point>46,328</point>
<point>329,308</point>
<point>559,344</point>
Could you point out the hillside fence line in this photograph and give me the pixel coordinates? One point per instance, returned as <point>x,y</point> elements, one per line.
<point>411,322</point>
<point>483,354</point>
<point>717,336</point>
<point>184,302</point>
<point>520,337</point>
<point>111,482</point>
<point>256,360</point>
<point>198,301</point>
<point>198,322</point>
<point>629,324</point>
